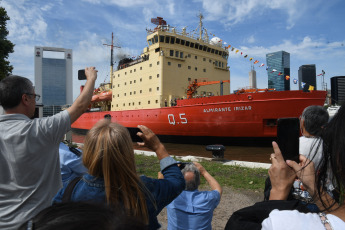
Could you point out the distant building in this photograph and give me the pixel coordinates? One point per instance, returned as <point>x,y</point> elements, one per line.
<point>338,90</point>
<point>307,75</point>
<point>278,64</point>
<point>252,79</point>
<point>53,78</point>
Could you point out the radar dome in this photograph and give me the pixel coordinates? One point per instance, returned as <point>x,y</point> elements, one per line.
<point>216,41</point>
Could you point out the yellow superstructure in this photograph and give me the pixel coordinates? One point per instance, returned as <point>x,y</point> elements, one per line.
<point>165,69</point>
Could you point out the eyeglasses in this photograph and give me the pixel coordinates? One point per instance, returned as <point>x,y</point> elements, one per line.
<point>37,97</point>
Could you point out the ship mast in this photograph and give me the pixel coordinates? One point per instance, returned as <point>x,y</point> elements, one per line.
<point>200,25</point>
<point>111,58</point>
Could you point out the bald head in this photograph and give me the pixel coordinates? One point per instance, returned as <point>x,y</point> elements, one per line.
<point>192,177</point>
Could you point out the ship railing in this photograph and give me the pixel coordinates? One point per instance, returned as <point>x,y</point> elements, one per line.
<point>189,35</point>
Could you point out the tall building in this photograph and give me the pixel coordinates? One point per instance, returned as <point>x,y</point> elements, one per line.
<point>252,79</point>
<point>338,90</point>
<point>278,64</point>
<point>307,75</point>
<point>53,79</point>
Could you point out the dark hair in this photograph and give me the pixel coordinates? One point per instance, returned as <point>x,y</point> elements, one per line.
<point>315,117</point>
<point>11,90</point>
<point>83,216</point>
<point>332,165</point>
<point>193,184</point>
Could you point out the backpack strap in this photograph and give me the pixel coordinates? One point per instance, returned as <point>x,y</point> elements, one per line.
<point>66,197</point>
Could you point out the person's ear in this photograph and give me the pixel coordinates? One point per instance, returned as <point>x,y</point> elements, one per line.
<point>25,99</point>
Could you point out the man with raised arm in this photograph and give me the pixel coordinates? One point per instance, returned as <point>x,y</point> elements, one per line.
<point>193,209</point>
<point>29,148</point>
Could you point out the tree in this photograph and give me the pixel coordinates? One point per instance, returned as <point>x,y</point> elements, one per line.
<point>6,46</point>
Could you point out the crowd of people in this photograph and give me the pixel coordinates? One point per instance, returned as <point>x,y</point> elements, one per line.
<point>44,184</point>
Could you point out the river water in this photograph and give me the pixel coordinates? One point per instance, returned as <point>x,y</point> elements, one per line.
<point>241,153</point>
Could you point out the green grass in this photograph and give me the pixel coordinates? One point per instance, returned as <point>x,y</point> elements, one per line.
<point>231,176</point>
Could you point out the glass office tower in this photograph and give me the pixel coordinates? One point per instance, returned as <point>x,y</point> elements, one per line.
<point>338,90</point>
<point>307,75</point>
<point>278,64</point>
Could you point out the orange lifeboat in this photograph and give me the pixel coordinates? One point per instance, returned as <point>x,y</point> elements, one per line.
<point>105,96</point>
<point>95,98</point>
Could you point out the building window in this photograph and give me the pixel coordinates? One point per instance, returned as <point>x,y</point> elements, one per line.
<point>139,103</point>
<point>157,88</point>
<point>125,83</point>
<point>141,68</point>
<point>150,89</point>
<point>196,69</point>
<point>204,59</point>
<point>130,71</point>
<point>158,63</point>
<point>204,70</point>
<point>169,63</point>
<point>156,101</point>
<point>118,95</point>
<point>177,54</point>
<point>124,94</point>
<point>132,103</point>
<point>196,57</point>
<point>130,93</point>
<point>150,77</point>
<point>210,61</point>
<point>150,65</point>
<point>134,92</point>
<point>130,82</point>
<point>157,75</point>
<point>181,54</point>
<point>179,65</point>
<point>124,104</point>
<point>125,73</point>
<point>189,67</point>
<point>171,53</point>
<point>141,91</point>
<point>148,102</point>
<point>129,104</point>
<point>189,55</point>
<point>118,75</point>
<point>118,85</point>
<point>135,81</point>
<point>141,79</point>
<point>113,96</point>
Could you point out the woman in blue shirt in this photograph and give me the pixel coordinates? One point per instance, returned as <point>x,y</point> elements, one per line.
<point>112,177</point>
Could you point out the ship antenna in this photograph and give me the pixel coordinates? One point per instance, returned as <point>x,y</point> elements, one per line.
<point>111,58</point>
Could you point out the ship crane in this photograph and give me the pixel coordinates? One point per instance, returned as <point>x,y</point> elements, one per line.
<point>195,85</point>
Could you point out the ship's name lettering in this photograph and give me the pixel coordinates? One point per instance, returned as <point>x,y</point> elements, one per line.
<point>227,109</point>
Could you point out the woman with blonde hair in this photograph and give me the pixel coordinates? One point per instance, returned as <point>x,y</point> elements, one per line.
<point>112,176</point>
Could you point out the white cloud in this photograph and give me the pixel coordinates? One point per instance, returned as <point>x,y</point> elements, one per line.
<point>251,39</point>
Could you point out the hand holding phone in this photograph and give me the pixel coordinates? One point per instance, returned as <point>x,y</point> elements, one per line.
<point>288,133</point>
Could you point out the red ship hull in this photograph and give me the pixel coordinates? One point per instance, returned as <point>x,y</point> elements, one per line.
<point>234,115</point>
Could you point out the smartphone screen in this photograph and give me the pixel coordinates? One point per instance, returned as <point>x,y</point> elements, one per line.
<point>288,138</point>
<point>81,74</point>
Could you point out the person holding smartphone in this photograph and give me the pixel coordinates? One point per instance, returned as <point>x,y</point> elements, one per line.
<point>283,173</point>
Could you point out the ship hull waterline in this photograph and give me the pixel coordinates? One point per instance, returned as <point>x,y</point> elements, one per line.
<point>232,117</point>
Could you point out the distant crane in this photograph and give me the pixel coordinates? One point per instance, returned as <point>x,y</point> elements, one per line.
<point>192,87</point>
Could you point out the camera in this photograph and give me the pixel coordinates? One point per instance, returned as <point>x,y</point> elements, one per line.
<point>81,74</point>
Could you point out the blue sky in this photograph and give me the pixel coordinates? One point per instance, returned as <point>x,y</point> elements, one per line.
<point>312,31</point>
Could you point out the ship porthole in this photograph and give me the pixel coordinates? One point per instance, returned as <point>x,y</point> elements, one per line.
<point>250,97</point>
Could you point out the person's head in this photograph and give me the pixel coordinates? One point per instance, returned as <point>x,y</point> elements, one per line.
<point>191,176</point>
<point>12,88</point>
<point>83,216</point>
<point>313,119</point>
<point>333,160</point>
<point>108,153</point>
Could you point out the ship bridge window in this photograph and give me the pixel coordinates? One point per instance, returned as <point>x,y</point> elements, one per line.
<point>161,38</point>
<point>172,40</point>
<point>177,53</point>
<point>157,50</point>
<point>212,51</point>
<point>216,52</point>
<point>220,53</point>
<point>192,44</point>
<point>208,49</point>
<point>205,48</point>
<point>181,54</point>
<point>153,41</point>
<point>201,47</point>
<point>187,43</point>
<point>167,39</point>
<point>196,46</point>
<point>150,42</point>
<point>182,42</point>
<point>178,41</point>
<point>156,38</point>
<point>171,53</point>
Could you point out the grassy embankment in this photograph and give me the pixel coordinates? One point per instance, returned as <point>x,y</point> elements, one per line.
<point>231,176</point>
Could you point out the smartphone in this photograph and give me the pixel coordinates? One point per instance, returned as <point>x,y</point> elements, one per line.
<point>81,74</point>
<point>288,133</point>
